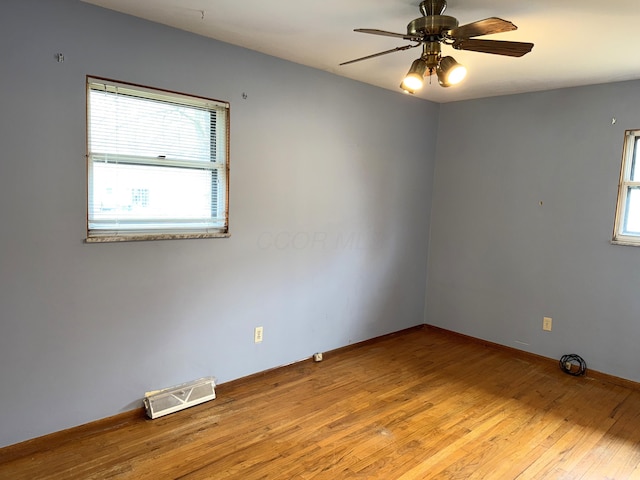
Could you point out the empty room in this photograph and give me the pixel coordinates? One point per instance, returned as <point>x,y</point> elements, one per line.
<point>241,240</point>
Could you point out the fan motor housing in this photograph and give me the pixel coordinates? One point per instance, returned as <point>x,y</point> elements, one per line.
<point>432,25</point>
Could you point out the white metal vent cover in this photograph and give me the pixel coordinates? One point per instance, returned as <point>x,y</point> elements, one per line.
<point>168,400</point>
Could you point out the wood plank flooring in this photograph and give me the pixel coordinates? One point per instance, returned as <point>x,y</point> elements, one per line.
<point>421,404</point>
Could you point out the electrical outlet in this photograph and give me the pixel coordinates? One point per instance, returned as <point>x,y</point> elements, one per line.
<point>546,323</point>
<point>257,335</point>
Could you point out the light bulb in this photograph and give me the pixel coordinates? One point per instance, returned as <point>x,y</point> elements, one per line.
<point>457,74</point>
<point>415,76</point>
<point>450,72</point>
<point>412,82</point>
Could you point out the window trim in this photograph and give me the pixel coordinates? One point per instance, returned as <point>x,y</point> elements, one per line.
<point>95,236</point>
<point>631,142</point>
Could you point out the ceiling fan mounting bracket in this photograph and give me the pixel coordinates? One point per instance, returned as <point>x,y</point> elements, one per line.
<point>433,7</point>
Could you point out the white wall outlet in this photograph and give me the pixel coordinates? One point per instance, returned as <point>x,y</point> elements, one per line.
<point>317,357</point>
<point>546,323</point>
<point>257,335</point>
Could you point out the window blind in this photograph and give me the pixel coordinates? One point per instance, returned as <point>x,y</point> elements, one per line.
<point>157,161</point>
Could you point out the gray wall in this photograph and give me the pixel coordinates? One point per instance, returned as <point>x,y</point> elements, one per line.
<point>330,200</point>
<point>500,260</point>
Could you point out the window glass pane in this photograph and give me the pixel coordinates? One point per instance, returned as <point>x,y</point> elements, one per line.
<point>138,192</point>
<point>632,212</point>
<point>634,173</point>
<point>125,125</point>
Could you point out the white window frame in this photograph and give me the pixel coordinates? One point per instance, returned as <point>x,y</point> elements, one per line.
<point>179,228</point>
<point>630,150</point>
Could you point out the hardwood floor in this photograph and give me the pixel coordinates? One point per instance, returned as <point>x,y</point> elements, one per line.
<point>417,405</point>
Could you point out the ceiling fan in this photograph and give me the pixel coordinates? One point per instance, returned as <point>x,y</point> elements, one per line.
<point>433,30</point>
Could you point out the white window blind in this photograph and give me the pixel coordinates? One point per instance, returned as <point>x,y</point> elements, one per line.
<point>157,163</point>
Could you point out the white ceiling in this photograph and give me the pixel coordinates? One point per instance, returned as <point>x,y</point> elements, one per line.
<point>577,42</point>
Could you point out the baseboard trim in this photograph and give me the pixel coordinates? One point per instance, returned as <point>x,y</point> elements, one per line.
<point>591,374</point>
<point>37,444</point>
<point>233,384</point>
<point>34,445</point>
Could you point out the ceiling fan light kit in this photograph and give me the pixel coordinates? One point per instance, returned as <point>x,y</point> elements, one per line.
<point>433,30</point>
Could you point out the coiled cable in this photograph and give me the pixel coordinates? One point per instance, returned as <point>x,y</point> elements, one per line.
<point>573,365</point>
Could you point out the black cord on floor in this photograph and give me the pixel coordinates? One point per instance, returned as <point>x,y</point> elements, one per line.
<point>573,365</point>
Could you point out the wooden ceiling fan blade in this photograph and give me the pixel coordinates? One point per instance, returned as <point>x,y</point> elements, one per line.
<point>398,49</point>
<point>375,31</point>
<point>482,27</point>
<point>496,47</point>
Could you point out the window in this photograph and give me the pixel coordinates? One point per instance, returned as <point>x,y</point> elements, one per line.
<point>627,228</point>
<point>157,164</point>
